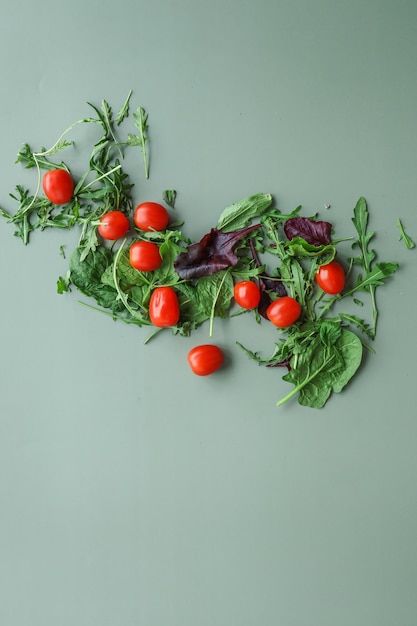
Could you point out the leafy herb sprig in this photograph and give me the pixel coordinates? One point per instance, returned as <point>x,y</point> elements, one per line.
<point>102,187</point>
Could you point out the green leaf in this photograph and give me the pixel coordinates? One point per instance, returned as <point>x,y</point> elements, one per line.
<point>215,293</point>
<point>242,213</point>
<point>169,196</point>
<point>374,277</point>
<point>124,110</point>
<point>87,277</point>
<point>320,370</point>
<point>409,243</point>
<point>298,247</point>
<point>141,123</point>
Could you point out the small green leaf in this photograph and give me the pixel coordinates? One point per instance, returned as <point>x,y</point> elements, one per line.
<point>409,243</point>
<point>169,196</point>
<point>124,111</point>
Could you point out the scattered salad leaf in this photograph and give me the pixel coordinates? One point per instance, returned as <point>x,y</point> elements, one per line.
<point>214,252</point>
<point>313,232</point>
<point>409,243</point>
<point>141,123</point>
<point>169,196</point>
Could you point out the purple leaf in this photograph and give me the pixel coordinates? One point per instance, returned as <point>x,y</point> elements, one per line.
<point>213,253</point>
<point>314,232</point>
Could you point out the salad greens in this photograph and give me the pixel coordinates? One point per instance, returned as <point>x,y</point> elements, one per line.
<point>252,240</point>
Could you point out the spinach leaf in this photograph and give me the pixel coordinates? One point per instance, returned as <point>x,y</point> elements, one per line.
<point>87,276</point>
<point>241,214</point>
<point>322,369</point>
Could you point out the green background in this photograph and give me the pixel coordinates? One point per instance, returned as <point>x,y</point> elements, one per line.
<point>133,493</point>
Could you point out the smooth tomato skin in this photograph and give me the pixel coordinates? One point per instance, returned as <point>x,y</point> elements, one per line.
<point>284,311</point>
<point>113,225</point>
<point>145,256</point>
<point>331,278</point>
<point>164,307</point>
<point>205,359</point>
<point>247,294</point>
<point>58,186</point>
<point>150,216</point>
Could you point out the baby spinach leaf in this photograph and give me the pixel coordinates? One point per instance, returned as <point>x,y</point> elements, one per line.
<point>87,275</point>
<point>241,214</point>
<point>321,370</point>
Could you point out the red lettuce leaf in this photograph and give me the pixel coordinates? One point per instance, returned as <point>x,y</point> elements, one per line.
<point>314,232</point>
<point>213,253</point>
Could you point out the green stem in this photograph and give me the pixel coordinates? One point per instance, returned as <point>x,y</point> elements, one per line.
<point>300,386</point>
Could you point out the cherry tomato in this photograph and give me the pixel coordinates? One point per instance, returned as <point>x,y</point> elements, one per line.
<point>151,216</point>
<point>58,186</point>
<point>164,308</point>
<point>247,294</point>
<point>331,278</point>
<point>284,311</point>
<point>145,256</point>
<point>205,359</point>
<point>113,225</point>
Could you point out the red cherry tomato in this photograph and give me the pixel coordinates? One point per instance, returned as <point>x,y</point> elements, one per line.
<point>205,359</point>
<point>113,225</point>
<point>151,216</point>
<point>145,256</point>
<point>164,308</point>
<point>58,186</point>
<point>247,294</point>
<point>331,278</point>
<point>284,311</point>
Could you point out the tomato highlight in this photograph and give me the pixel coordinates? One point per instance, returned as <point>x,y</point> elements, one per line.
<point>205,359</point>
<point>151,216</point>
<point>247,294</point>
<point>113,225</point>
<point>145,256</point>
<point>331,278</point>
<point>284,311</point>
<point>164,307</point>
<point>58,186</point>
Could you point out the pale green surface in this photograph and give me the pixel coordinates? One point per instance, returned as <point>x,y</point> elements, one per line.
<point>132,493</point>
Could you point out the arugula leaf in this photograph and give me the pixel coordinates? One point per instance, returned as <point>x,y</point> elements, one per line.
<point>373,275</point>
<point>141,123</point>
<point>169,196</point>
<point>409,243</point>
<point>124,110</point>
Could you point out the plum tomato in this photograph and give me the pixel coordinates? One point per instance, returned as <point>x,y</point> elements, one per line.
<point>164,307</point>
<point>145,256</point>
<point>58,186</point>
<point>150,216</point>
<point>284,311</point>
<point>331,278</point>
<point>247,294</point>
<point>113,225</point>
<point>205,359</point>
